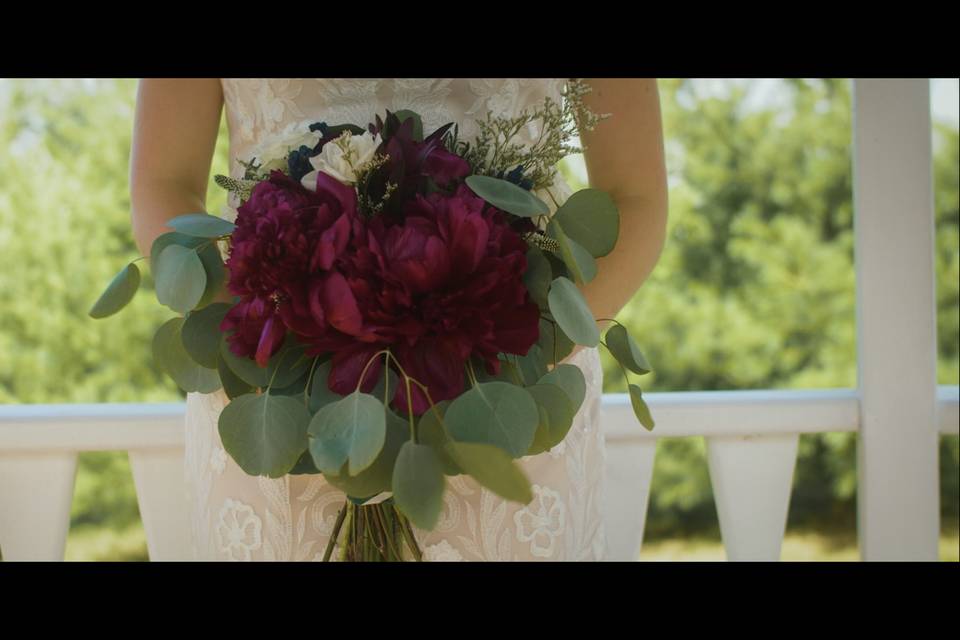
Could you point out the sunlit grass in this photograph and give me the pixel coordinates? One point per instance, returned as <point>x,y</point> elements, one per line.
<point>96,544</point>
<point>798,546</point>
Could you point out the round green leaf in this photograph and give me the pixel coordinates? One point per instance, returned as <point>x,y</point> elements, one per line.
<point>287,364</point>
<point>533,365</point>
<point>201,333</point>
<point>590,218</point>
<point>493,469</point>
<point>201,225</point>
<point>418,484</point>
<point>172,359</point>
<point>640,408</point>
<point>556,416</point>
<point>320,393</point>
<point>378,477</point>
<point>553,342</point>
<point>627,352</point>
<point>570,378</point>
<point>180,278</point>
<point>164,240</point>
<point>430,431</point>
<point>118,293</point>
<point>494,413</point>
<point>216,273</point>
<point>304,466</point>
<point>507,196</point>
<point>264,434</point>
<point>351,430</point>
<point>569,309</point>
<point>538,276</point>
<point>578,260</point>
<point>233,386</point>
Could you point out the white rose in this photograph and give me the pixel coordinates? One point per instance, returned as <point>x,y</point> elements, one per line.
<point>272,154</point>
<point>342,157</point>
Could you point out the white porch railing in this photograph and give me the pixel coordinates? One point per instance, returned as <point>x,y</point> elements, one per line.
<point>751,439</point>
<point>897,410</point>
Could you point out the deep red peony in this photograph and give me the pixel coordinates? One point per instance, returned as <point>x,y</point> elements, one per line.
<point>439,287</point>
<point>286,238</point>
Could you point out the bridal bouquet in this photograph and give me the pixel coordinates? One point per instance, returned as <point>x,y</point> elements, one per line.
<point>402,304</point>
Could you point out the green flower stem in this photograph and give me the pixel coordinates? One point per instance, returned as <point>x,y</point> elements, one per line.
<point>336,533</point>
<point>349,525</point>
<point>409,537</point>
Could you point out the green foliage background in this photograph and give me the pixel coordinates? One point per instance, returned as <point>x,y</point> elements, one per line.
<point>755,287</point>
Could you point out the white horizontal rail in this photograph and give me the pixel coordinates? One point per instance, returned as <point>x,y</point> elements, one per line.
<point>108,427</point>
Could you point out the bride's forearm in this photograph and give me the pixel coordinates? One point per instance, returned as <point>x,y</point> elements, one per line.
<point>622,272</point>
<point>152,204</point>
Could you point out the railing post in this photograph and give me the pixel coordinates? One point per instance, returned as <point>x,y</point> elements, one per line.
<point>897,493</point>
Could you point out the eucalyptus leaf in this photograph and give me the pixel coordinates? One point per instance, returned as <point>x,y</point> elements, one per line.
<point>351,430</point>
<point>201,225</point>
<point>507,196</point>
<point>418,484</point>
<point>493,469</point>
<point>578,260</point>
<point>625,349</point>
<point>533,365</point>
<point>640,408</point>
<point>164,240</point>
<point>233,386</point>
<point>320,393</point>
<point>264,434</point>
<point>201,333</point>
<point>590,218</point>
<point>494,413</point>
<point>538,276</point>
<point>378,477</point>
<point>431,432</point>
<point>304,466</point>
<point>284,367</point>
<point>553,342</point>
<point>118,293</point>
<point>216,272</point>
<point>180,278</point>
<point>556,416</point>
<point>569,309</point>
<point>172,359</point>
<point>570,378</point>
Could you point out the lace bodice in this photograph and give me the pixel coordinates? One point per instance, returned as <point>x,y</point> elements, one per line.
<point>239,517</point>
<point>259,109</point>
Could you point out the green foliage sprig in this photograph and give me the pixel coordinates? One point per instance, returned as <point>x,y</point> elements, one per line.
<point>497,149</point>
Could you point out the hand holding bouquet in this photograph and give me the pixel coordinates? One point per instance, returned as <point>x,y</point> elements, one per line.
<point>402,304</point>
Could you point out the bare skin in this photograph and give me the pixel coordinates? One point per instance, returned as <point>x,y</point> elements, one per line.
<point>175,134</point>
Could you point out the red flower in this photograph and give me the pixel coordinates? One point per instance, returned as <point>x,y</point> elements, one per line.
<point>438,287</point>
<point>286,235</point>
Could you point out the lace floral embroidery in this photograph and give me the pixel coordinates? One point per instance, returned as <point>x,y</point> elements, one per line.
<point>238,530</point>
<point>541,523</point>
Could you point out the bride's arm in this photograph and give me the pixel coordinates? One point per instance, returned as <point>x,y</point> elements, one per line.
<point>624,157</point>
<point>174,137</point>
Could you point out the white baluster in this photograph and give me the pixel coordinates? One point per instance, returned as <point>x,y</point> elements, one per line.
<point>752,477</point>
<point>161,492</point>
<point>36,492</point>
<point>627,492</point>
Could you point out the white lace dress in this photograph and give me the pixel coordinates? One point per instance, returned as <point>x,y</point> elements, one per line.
<point>235,516</point>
